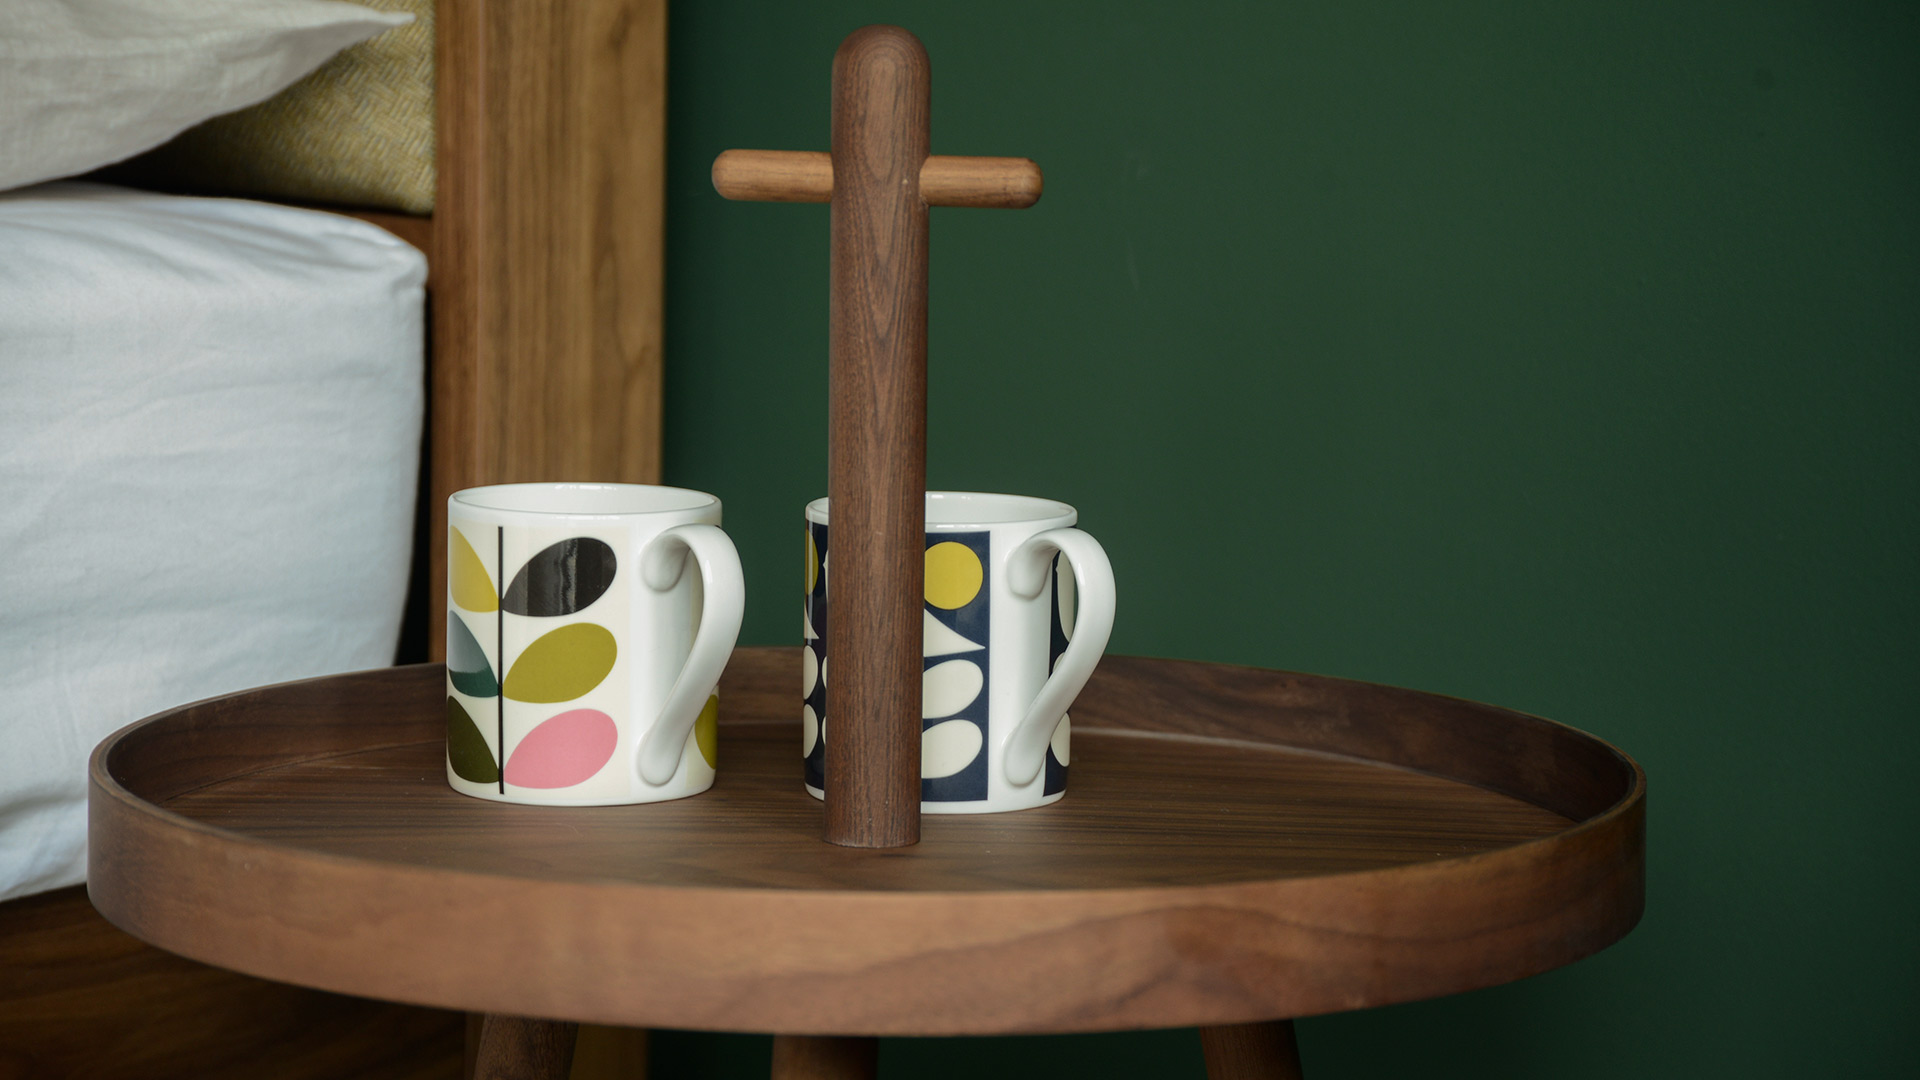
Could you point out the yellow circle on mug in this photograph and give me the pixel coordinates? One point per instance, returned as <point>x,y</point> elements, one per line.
<point>953,575</point>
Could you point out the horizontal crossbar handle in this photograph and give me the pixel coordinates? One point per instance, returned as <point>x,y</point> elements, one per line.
<point>998,183</point>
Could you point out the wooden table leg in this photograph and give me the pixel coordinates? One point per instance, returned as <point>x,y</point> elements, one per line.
<point>610,1053</point>
<point>814,1057</point>
<point>1251,1051</point>
<point>514,1048</point>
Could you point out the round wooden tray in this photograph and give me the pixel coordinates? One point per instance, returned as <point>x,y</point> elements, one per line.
<point>1235,845</point>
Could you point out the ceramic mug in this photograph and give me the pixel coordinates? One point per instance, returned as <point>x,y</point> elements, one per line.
<point>583,645</point>
<point>1008,643</point>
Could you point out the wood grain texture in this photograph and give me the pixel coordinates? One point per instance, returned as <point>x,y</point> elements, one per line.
<point>1215,875</point>
<point>516,1048</point>
<point>797,176</point>
<point>609,1053</point>
<point>986,183</point>
<point>877,436</point>
<point>1544,763</point>
<point>600,1052</point>
<point>412,228</point>
<point>1128,824</point>
<point>806,176</point>
<point>1251,1051</point>
<point>812,1057</point>
<point>80,998</point>
<point>547,250</point>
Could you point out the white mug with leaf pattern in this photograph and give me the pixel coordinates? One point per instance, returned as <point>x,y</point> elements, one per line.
<point>587,627</point>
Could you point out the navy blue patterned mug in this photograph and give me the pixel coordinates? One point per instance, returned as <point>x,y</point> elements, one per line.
<point>1018,608</point>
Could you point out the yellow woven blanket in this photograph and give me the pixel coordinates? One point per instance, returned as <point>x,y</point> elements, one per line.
<point>356,132</point>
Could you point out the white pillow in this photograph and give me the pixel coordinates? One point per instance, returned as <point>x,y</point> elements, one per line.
<point>210,417</point>
<point>85,83</point>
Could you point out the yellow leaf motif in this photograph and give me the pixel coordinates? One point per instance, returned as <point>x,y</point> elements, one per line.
<point>706,732</point>
<point>472,587</point>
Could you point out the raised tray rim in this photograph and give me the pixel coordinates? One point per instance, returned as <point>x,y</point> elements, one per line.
<point>806,961</point>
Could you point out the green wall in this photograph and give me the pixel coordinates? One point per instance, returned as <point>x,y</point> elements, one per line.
<point>1562,356</point>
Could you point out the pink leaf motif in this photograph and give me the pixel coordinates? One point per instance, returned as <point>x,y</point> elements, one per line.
<point>563,750</point>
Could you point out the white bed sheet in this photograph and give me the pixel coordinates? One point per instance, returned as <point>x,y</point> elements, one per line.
<point>210,420</point>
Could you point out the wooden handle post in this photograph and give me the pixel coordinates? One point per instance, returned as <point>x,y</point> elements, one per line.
<point>877,437</point>
<point>879,180</point>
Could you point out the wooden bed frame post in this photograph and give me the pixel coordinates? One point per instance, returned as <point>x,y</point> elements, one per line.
<point>546,250</point>
<point>880,182</point>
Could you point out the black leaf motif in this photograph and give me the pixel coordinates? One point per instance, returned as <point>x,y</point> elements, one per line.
<point>566,577</point>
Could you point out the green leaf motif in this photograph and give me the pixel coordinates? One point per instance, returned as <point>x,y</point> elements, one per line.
<point>562,665</point>
<point>467,749</point>
<point>467,665</point>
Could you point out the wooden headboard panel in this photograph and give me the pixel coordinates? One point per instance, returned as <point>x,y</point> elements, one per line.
<point>546,250</point>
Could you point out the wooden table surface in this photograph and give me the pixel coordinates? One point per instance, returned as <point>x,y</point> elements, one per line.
<point>1235,846</point>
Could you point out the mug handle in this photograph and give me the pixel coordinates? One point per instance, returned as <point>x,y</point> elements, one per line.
<point>661,563</point>
<point>1092,625</point>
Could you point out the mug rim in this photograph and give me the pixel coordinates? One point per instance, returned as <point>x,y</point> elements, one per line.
<point>1006,510</point>
<point>568,500</point>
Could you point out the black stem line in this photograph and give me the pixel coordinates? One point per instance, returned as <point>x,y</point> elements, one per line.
<point>500,653</point>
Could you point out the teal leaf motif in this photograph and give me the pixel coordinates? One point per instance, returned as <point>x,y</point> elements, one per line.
<point>467,663</point>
